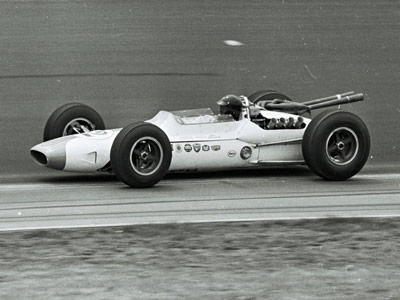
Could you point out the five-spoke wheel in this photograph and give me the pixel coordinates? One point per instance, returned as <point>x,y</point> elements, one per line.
<point>146,155</point>
<point>342,146</point>
<point>141,155</point>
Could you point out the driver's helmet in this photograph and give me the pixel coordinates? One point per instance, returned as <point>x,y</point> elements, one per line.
<point>230,104</point>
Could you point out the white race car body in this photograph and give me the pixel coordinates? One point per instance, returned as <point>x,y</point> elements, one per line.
<point>200,141</point>
<point>209,142</point>
<point>266,128</point>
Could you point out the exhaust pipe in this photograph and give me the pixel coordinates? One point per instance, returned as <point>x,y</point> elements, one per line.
<point>321,100</point>
<point>339,101</point>
<point>300,123</point>
<point>272,123</point>
<point>281,124</point>
<point>303,107</point>
<point>290,123</point>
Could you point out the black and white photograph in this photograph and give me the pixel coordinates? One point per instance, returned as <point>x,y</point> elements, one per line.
<point>187,149</point>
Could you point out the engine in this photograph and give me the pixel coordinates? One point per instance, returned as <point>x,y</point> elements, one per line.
<point>281,123</point>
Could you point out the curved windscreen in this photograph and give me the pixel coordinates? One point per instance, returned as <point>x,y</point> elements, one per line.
<point>200,116</point>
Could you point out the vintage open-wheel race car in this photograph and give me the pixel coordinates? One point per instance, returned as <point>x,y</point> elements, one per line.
<point>266,128</point>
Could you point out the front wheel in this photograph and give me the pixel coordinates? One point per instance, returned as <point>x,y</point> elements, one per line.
<point>141,155</point>
<point>70,119</point>
<point>336,145</point>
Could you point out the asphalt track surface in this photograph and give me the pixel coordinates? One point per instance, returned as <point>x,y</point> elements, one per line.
<point>85,201</point>
<point>130,59</point>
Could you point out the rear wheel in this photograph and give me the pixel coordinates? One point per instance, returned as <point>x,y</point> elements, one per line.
<point>336,145</point>
<point>141,155</point>
<point>267,95</point>
<point>70,119</point>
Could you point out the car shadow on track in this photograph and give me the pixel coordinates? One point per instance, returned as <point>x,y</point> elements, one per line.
<point>292,172</point>
<point>298,171</point>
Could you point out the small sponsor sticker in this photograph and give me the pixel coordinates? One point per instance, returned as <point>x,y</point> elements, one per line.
<point>197,147</point>
<point>206,148</point>
<point>179,148</point>
<point>232,153</point>
<point>188,148</point>
<point>215,147</point>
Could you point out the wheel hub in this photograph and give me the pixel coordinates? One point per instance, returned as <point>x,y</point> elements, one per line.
<point>342,146</point>
<point>78,125</point>
<point>144,155</point>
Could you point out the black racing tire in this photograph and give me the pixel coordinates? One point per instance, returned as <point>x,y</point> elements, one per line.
<point>141,155</point>
<point>267,95</point>
<point>72,115</point>
<point>336,145</point>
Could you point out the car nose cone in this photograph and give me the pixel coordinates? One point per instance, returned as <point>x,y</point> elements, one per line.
<point>51,154</point>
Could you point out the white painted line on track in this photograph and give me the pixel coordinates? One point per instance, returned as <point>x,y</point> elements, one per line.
<point>200,221</point>
<point>380,176</point>
<point>43,186</point>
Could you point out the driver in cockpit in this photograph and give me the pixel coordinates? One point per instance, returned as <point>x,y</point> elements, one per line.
<point>230,105</point>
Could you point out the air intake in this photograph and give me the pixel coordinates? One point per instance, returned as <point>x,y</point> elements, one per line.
<point>39,157</point>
